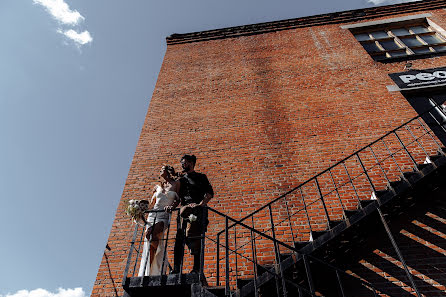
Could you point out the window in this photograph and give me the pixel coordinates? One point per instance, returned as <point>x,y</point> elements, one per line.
<point>413,37</point>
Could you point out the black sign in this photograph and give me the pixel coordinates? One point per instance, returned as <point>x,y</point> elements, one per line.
<point>420,78</point>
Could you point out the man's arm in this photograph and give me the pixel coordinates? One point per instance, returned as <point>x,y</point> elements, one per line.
<point>209,193</point>
<point>207,198</point>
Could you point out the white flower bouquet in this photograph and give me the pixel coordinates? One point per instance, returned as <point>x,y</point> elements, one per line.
<point>136,209</point>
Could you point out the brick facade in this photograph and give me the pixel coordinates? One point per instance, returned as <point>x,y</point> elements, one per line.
<point>262,113</point>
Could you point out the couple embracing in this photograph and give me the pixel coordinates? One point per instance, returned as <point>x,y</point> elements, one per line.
<point>192,191</point>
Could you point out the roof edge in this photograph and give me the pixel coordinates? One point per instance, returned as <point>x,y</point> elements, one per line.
<point>314,20</point>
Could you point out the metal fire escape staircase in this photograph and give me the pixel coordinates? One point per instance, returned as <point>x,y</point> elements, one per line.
<point>271,252</point>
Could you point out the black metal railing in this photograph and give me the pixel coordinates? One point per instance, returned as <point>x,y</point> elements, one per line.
<point>304,213</point>
<point>139,262</point>
<point>268,267</point>
<point>262,251</point>
<point>359,177</point>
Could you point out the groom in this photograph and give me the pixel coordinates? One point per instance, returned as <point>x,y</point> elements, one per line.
<point>194,191</point>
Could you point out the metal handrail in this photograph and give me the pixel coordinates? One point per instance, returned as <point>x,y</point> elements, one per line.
<point>277,244</point>
<point>338,163</point>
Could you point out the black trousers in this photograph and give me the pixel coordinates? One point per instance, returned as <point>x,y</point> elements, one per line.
<point>190,234</point>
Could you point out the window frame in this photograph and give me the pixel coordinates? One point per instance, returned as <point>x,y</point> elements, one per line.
<point>408,51</point>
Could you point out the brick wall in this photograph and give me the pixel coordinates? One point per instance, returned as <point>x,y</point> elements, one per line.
<point>262,113</point>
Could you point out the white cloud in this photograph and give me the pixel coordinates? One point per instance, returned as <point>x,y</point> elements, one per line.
<point>66,17</point>
<point>61,11</point>
<point>77,292</point>
<point>382,2</point>
<point>78,38</point>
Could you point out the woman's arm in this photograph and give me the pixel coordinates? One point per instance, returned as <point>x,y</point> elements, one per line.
<point>175,188</point>
<point>152,201</point>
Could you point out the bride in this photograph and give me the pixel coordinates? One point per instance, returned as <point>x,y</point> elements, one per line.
<point>158,222</point>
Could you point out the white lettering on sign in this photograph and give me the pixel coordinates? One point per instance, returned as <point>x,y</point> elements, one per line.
<point>423,76</point>
<point>407,78</point>
<point>440,74</point>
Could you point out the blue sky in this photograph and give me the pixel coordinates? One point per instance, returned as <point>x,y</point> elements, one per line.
<point>76,78</point>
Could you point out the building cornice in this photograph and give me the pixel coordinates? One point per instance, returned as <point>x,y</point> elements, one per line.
<point>315,20</point>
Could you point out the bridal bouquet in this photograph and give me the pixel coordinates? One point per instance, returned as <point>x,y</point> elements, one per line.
<point>136,209</point>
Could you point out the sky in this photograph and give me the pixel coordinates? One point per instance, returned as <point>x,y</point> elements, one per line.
<point>76,78</point>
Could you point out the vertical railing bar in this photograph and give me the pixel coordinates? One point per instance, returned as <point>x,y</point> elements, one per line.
<point>149,243</point>
<point>218,260</point>
<point>429,133</point>
<point>398,252</point>
<point>254,258</point>
<point>323,203</point>
<point>308,272</point>
<point>289,218</point>
<point>165,245</point>
<point>127,265</point>
<point>235,251</point>
<point>416,139</point>
<point>276,254</point>
<point>340,283</point>
<point>438,123</point>
<point>441,110</point>
<point>204,218</point>
<point>353,185</point>
<point>379,164</point>
<point>139,246</point>
<point>366,174</point>
<point>227,289</point>
<point>393,157</point>
<point>306,213</point>
<point>407,151</point>
<point>180,228</point>
<point>337,193</point>
<point>255,245</point>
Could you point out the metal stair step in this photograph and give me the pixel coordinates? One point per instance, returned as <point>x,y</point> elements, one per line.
<point>365,203</point>
<point>300,244</point>
<point>435,157</point>
<point>423,166</point>
<point>334,223</point>
<point>412,176</point>
<point>240,282</point>
<point>218,291</point>
<point>350,212</point>
<point>317,234</point>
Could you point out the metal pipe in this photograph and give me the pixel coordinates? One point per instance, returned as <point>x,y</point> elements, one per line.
<point>366,174</point>
<point>306,213</point>
<point>379,164</point>
<point>127,265</point>
<point>353,185</point>
<point>218,260</point>
<point>337,193</point>
<point>340,283</point>
<point>308,272</point>
<point>253,251</point>
<point>397,250</point>
<point>323,203</point>
<point>407,151</point>
<point>227,288</point>
<point>277,257</point>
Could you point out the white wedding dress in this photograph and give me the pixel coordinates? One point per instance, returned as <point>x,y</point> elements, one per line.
<point>162,199</point>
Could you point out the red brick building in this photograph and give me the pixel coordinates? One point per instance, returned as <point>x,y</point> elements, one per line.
<point>326,115</point>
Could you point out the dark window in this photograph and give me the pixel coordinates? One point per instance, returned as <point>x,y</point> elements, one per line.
<point>400,39</point>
